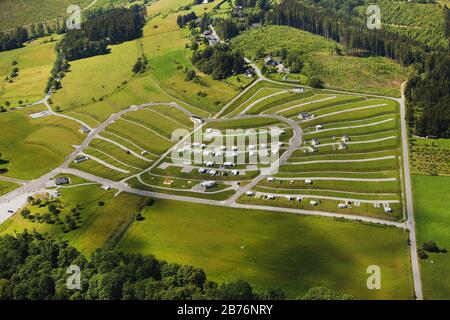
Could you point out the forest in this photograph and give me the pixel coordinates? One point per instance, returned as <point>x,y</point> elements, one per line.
<point>101,28</point>
<point>428,91</point>
<point>34,266</point>
<point>219,61</point>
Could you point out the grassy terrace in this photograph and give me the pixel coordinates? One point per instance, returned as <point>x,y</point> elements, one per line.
<point>274,250</point>
<point>219,196</point>
<point>327,205</point>
<point>176,172</point>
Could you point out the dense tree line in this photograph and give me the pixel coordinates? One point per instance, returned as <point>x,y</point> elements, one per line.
<point>428,97</point>
<point>182,20</point>
<point>34,267</point>
<point>115,25</point>
<point>103,27</point>
<point>227,28</point>
<point>219,61</point>
<point>14,39</point>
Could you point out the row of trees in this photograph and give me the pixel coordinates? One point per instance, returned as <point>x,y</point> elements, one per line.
<point>15,39</point>
<point>219,61</point>
<point>34,266</point>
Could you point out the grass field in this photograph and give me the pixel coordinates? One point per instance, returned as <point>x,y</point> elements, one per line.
<point>35,62</point>
<point>98,224</point>
<point>29,146</point>
<point>274,250</point>
<point>432,214</point>
<point>423,22</point>
<point>14,13</point>
<point>369,75</point>
<point>6,187</point>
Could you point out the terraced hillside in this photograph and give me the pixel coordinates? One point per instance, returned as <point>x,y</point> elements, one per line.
<point>349,159</point>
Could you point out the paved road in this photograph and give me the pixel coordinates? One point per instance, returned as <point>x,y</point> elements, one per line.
<point>338,179</point>
<point>409,200</point>
<point>13,180</point>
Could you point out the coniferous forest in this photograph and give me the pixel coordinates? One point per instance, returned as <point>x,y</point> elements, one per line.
<point>102,28</point>
<point>427,92</point>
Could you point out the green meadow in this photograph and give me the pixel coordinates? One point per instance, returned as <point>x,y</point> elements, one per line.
<point>28,145</point>
<point>274,250</point>
<point>35,62</point>
<point>98,224</point>
<point>6,187</point>
<point>432,214</point>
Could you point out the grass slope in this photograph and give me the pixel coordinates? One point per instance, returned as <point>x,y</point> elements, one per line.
<point>371,75</point>
<point>273,249</point>
<point>14,13</point>
<point>99,223</point>
<point>35,62</point>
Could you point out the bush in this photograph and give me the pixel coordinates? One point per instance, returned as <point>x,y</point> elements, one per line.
<point>430,246</point>
<point>422,254</point>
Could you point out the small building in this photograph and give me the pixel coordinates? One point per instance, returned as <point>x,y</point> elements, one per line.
<point>269,61</point>
<point>345,138</point>
<point>342,146</point>
<point>207,185</point>
<point>308,181</point>
<point>250,72</point>
<point>342,206</point>
<point>315,142</point>
<point>298,90</point>
<point>388,210</point>
<point>197,120</point>
<point>210,164</point>
<point>303,115</point>
<point>61,181</point>
<point>84,130</point>
<point>310,149</point>
<point>80,159</point>
<point>228,164</point>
